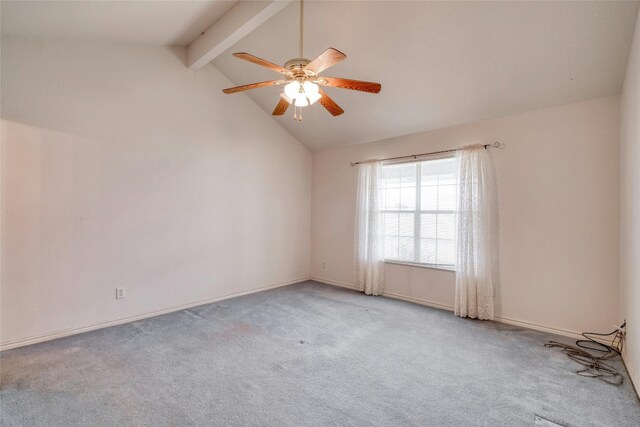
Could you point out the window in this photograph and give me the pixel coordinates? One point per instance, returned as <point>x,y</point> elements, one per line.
<point>418,207</point>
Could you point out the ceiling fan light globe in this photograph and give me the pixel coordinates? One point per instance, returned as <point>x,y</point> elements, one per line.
<point>292,89</point>
<point>301,100</point>
<point>310,88</point>
<point>313,97</point>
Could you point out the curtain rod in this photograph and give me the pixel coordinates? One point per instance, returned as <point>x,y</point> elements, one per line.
<point>415,156</point>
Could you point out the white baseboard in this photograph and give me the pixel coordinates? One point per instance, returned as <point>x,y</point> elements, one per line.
<point>73,331</point>
<point>635,380</point>
<point>515,322</point>
<point>418,301</point>
<point>542,328</point>
<point>334,283</point>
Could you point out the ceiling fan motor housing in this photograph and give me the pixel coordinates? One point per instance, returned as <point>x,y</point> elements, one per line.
<point>297,68</point>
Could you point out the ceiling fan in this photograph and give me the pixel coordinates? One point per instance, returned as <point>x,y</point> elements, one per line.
<point>303,81</point>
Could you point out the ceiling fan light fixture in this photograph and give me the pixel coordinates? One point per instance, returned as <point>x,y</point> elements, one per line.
<point>312,91</point>
<point>301,100</point>
<point>292,90</point>
<point>310,87</point>
<point>302,80</point>
<point>313,97</point>
<point>303,94</point>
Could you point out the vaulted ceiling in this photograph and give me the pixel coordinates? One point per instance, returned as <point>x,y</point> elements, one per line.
<point>175,23</point>
<point>440,63</point>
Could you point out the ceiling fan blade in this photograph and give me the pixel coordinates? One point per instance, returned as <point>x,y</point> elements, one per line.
<point>360,85</point>
<point>281,108</point>
<point>260,61</point>
<point>253,86</point>
<point>330,104</point>
<point>328,58</point>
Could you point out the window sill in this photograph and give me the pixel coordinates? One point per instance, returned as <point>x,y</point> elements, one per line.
<point>429,266</point>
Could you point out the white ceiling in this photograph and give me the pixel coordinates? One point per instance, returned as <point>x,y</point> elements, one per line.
<point>167,23</point>
<point>441,63</point>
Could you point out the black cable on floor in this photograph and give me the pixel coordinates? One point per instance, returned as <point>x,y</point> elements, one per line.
<point>592,355</point>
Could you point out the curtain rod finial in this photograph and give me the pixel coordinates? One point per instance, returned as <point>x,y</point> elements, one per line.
<point>497,144</point>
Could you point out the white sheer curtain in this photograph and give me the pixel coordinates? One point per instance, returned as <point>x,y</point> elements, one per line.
<point>369,232</point>
<point>477,252</point>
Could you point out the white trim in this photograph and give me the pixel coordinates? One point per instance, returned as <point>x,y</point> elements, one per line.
<point>441,267</point>
<point>552,330</point>
<point>500,319</point>
<point>433,304</point>
<point>73,331</point>
<point>427,303</point>
<point>635,380</point>
<point>334,283</point>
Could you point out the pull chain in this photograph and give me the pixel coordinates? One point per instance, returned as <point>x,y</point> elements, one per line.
<point>297,113</point>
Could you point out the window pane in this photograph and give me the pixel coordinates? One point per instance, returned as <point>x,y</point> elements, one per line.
<point>448,177</point>
<point>392,199</point>
<point>446,226</point>
<point>428,228</point>
<point>446,197</point>
<point>391,247</point>
<point>408,175</point>
<point>408,199</point>
<point>438,167</point>
<point>391,176</point>
<point>391,224</point>
<point>427,178</point>
<point>436,244</point>
<point>407,249</point>
<point>446,251</point>
<point>428,251</point>
<point>407,224</point>
<point>429,198</point>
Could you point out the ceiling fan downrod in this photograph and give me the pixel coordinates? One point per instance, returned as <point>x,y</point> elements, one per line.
<point>301,27</point>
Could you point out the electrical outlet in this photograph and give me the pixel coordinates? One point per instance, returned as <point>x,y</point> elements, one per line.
<point>324,264</point>
<point>120,293</point>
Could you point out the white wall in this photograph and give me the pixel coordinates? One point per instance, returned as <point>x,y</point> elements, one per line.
<point>558,195</point>
<point>120,167</point>
<point>630,209</point>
